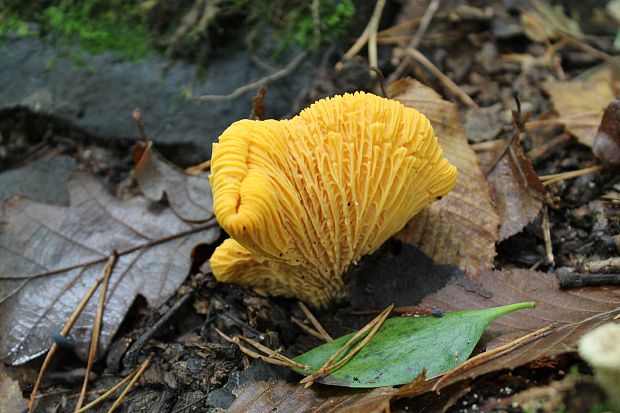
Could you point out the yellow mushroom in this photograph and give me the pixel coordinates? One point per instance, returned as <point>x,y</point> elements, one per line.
<point>303,199</point>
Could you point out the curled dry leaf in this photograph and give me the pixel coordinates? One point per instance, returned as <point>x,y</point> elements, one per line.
<point>517,192</point>
<point>574,312</point>
<point>462,228</point>
<point>188,195</point>
<point>607,141</point>
<point>581,102</point>
<point>50,255</point>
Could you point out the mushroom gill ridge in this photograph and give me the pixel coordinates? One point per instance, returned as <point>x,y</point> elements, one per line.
<point>304,198</point>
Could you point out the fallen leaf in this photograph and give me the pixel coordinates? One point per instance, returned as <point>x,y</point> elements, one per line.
<point>574,313</point>
<point>50,255</point>
<point>188,195</point>
<point>545,21</point>
<point>461,228</point>
<point>261,389</point>
<point>607,141</point>
<point>517,191</point>
<point>581,102</point>
<point>405,347</point>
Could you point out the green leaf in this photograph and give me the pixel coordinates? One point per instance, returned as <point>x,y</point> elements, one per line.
<point>404,346</point>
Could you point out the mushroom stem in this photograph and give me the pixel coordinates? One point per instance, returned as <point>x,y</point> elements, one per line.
<point>601,349</point>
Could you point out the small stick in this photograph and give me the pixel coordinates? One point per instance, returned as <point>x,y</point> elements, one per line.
<point>578,280</point>
<point>551,179</point>
<point>197,169</point>
<point>491,354</point>
<point>448,83</point>
<point>271,352</point>
<point>257,83</point>
<point>255,355</point>
<point>372,34</point>
<point>429,13</point>
<point>547,236</point>
<point>65,331</point>
<point>365,36</point>
<point>137,118</point>
<point>131,356</point>
<point>307,329</point>
<point>374,326</point>
<point>94,341</point>
<point>315,322</point>
<point>584,46</point>
<point>316,22</point>
<point>133,381</point>
<point>603,266</point>
<point>107,394</point>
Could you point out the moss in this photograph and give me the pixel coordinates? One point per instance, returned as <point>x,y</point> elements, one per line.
<point>94,25</point>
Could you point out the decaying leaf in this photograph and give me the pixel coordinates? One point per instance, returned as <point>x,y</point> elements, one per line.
<point>266,391</point>
<point>405,347</point>
<point>50,255</point>
<point>573,313</point>
<point>544,22</point>
<point>11,399</point>
<point>607,141</point>
<point>517,192</point>
<point>188,195</point>
<point>462,228</point>
<point>581,102</point>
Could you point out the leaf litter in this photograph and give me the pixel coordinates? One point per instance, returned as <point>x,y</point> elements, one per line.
<point>50,255</point>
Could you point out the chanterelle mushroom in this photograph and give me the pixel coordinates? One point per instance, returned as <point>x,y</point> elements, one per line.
<point>304,198</point>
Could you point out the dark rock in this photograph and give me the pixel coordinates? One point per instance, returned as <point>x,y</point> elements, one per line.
<point>44,180</point>
<point>99,95</point>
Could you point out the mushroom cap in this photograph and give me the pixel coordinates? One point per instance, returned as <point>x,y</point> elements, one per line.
<point>304,198</point>
<point>601,347</point>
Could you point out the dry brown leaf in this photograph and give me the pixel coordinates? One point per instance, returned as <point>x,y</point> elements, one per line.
<point>581,102</point>
<point>574,312</point>
<point>188,195</point>
<point>515,187</point>
<point>50,255</point>
<point>607,142</point>
<point>280,395</point>
<point>462,228</point>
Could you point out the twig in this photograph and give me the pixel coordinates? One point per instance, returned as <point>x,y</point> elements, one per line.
<point>417,38</point>
<point>547,237</point>
<point>94,341</point>
<point>107,394</point>
<point>448,83</point>
<point>603,266</point>
<point>551,179</point>
<point>570,280</point>
<point>277,358</point>
<point>584,46</point>
<point>64,332</point>
<point>517,126</point>
<point>131,356</point>
<point>315,322</point>
<point>373,326</point>
<point>201,167</point>
<point>491,354</point>
<point>136,114</point>
<point>257,83</point>
<point>365,37</point>
<point>133,381</point>
<point>307,329</point>
<point>373,25</point>
<point>272,353</point>
<point>316,21</point>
